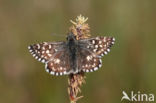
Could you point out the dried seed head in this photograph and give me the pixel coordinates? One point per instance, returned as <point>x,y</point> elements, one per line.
<point>79,28</point>
<point>79,20</point>
<point>75,81</point>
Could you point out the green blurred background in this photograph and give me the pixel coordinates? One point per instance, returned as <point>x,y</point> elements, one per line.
<point>130,66</point>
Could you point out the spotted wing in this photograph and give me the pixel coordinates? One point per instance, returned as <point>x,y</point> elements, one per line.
<point>88,61</point>
<point>55,56</point>
<point>59,64</point>
<point>44,51</point>
<point>91,51</point>
<point>99,45</point>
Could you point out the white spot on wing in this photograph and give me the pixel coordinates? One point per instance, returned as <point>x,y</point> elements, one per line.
<point>96,68</point>
<point>94,50</point>
<point>56,73</point>
<point>47,70</point>
<point>45,43</point>
<point>61,68</point>
<point>100,65</point>
<point>34,55</point>
<point>42,56</point>
<point>100,61</point>
<point>43,61</point>
<point>97,38</point>
<point>108,50</point>
<point>49,46</point>
<point>61,73</point>
<point>100,46</point>
<point>57,61</point>
<point>87,70</point>
<point>94,60</point>
<point>49,55</point>
<point>52,73</point>
<point>55,50</point>
<point>93,41</point>
<point>113,39</point>
<point>93,65</point>
<point>39,59</point>
<point>91,70</point>
<point>38,46</point>
<point>43,48</point>
<point>51,64</point>
<point>96,46</point>
<point>47,51</point>
<point>89,58</point>
<point>29,47</point>
<point>30,50</point>
<point>104,40</point>
<point>43,52</point>
<point>64,72</point>
<point>86,65</point>
<point>105,52</point>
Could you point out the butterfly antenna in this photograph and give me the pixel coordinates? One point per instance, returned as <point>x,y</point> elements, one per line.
<point>58,35</point>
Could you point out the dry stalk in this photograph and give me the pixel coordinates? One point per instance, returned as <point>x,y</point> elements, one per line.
<point>81,30</point>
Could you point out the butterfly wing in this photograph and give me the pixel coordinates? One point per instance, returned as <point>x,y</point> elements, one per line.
<point>99,45</point>
<point>91,50</point>
<point>54,55</point>
<point>59,64</point>
<point>44,51</point>
<point>88,61</point>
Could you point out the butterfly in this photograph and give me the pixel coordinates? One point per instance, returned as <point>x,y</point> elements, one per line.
<point>72,56</point>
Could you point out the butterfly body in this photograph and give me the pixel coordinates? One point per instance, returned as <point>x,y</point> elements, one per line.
<point>72,56</point>
<point>72,46</point>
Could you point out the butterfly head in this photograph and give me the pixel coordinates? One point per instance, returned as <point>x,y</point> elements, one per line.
<point>71,37</point>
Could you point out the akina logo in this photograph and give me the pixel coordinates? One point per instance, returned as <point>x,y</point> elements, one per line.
<point>137,96</point>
